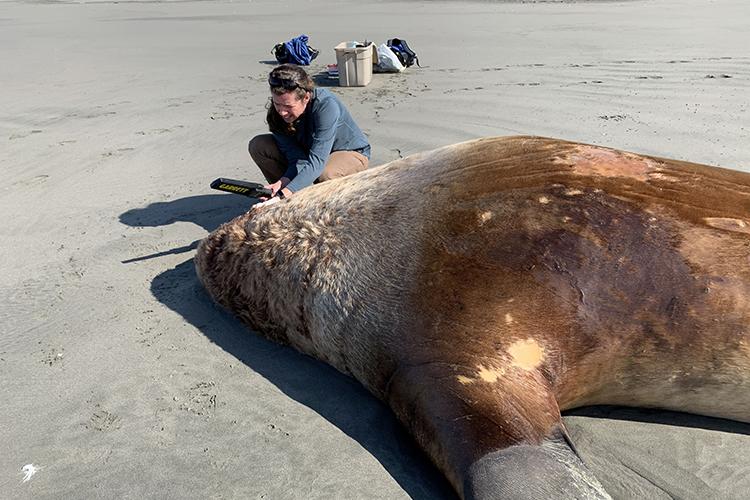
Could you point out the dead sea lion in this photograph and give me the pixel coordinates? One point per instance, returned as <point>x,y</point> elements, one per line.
<point>481,288</point>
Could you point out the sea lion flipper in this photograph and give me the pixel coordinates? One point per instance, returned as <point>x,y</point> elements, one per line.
<point>525,471</point>
<point>493,437</point>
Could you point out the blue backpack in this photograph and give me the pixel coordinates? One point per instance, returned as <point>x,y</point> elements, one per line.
<point>295,51</point>
<point>407,56</point>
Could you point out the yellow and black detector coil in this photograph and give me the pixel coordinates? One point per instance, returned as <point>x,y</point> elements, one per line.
<point>249,189</point>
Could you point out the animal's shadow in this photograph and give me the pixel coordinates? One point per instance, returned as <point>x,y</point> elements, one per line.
<point>339,399</point>
<point>661,417</point>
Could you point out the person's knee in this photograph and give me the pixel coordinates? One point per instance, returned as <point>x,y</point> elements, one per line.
<point>331,173</point>
<point>342,164</point>
<point>253,146</point>
<point>260,145</point>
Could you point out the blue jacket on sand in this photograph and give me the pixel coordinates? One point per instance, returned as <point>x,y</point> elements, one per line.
<point>325,126</point>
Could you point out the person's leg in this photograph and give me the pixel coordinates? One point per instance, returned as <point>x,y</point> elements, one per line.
<point>343,163</point>
<point>266,155</point>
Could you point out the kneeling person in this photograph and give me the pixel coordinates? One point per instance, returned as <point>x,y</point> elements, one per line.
<point>313,137</point>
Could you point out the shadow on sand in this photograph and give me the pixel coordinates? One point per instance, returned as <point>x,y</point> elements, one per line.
<point>207,211</point>
<point>339,399</point>
<point>662,417</point>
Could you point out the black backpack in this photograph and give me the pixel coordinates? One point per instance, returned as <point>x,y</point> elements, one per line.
<point>407,56</point>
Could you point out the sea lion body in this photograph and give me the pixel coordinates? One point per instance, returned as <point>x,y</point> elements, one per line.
<point>481,288</point>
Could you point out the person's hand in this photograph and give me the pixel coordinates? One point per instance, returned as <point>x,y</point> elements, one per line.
<point>274,187</point>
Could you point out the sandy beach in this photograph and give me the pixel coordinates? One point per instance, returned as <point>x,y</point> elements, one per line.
<point>122,380</point>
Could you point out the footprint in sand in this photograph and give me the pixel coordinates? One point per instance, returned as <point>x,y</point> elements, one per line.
<point>159,131</point>
<point>103,421</point>
<point>118,152</point>
<point>98,114</point>
<point>39,179</point>
<point>52,356</point>
<point>201,399</point>
<point>178,104</point>
<point>617,118</point>
<point>26,134</point>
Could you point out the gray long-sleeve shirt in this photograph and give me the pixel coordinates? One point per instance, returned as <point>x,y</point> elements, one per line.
<point>325,126</point>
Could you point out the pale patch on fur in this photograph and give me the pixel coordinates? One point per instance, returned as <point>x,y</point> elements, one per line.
<point>662,177</point>
<point>728,224</point>
<point>483,374</point>
<point>573,192</point>
<point>543,200</point>
<point>29,470</point>
<point>526,354</point>
<point>566,219</point>
<point>484,217</point>
<point>489,375</point>
<point>591,160</point>
<point>266,203</point>
<point>508,319</point>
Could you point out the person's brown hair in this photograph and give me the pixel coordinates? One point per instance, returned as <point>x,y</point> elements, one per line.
<point>286,79</point>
